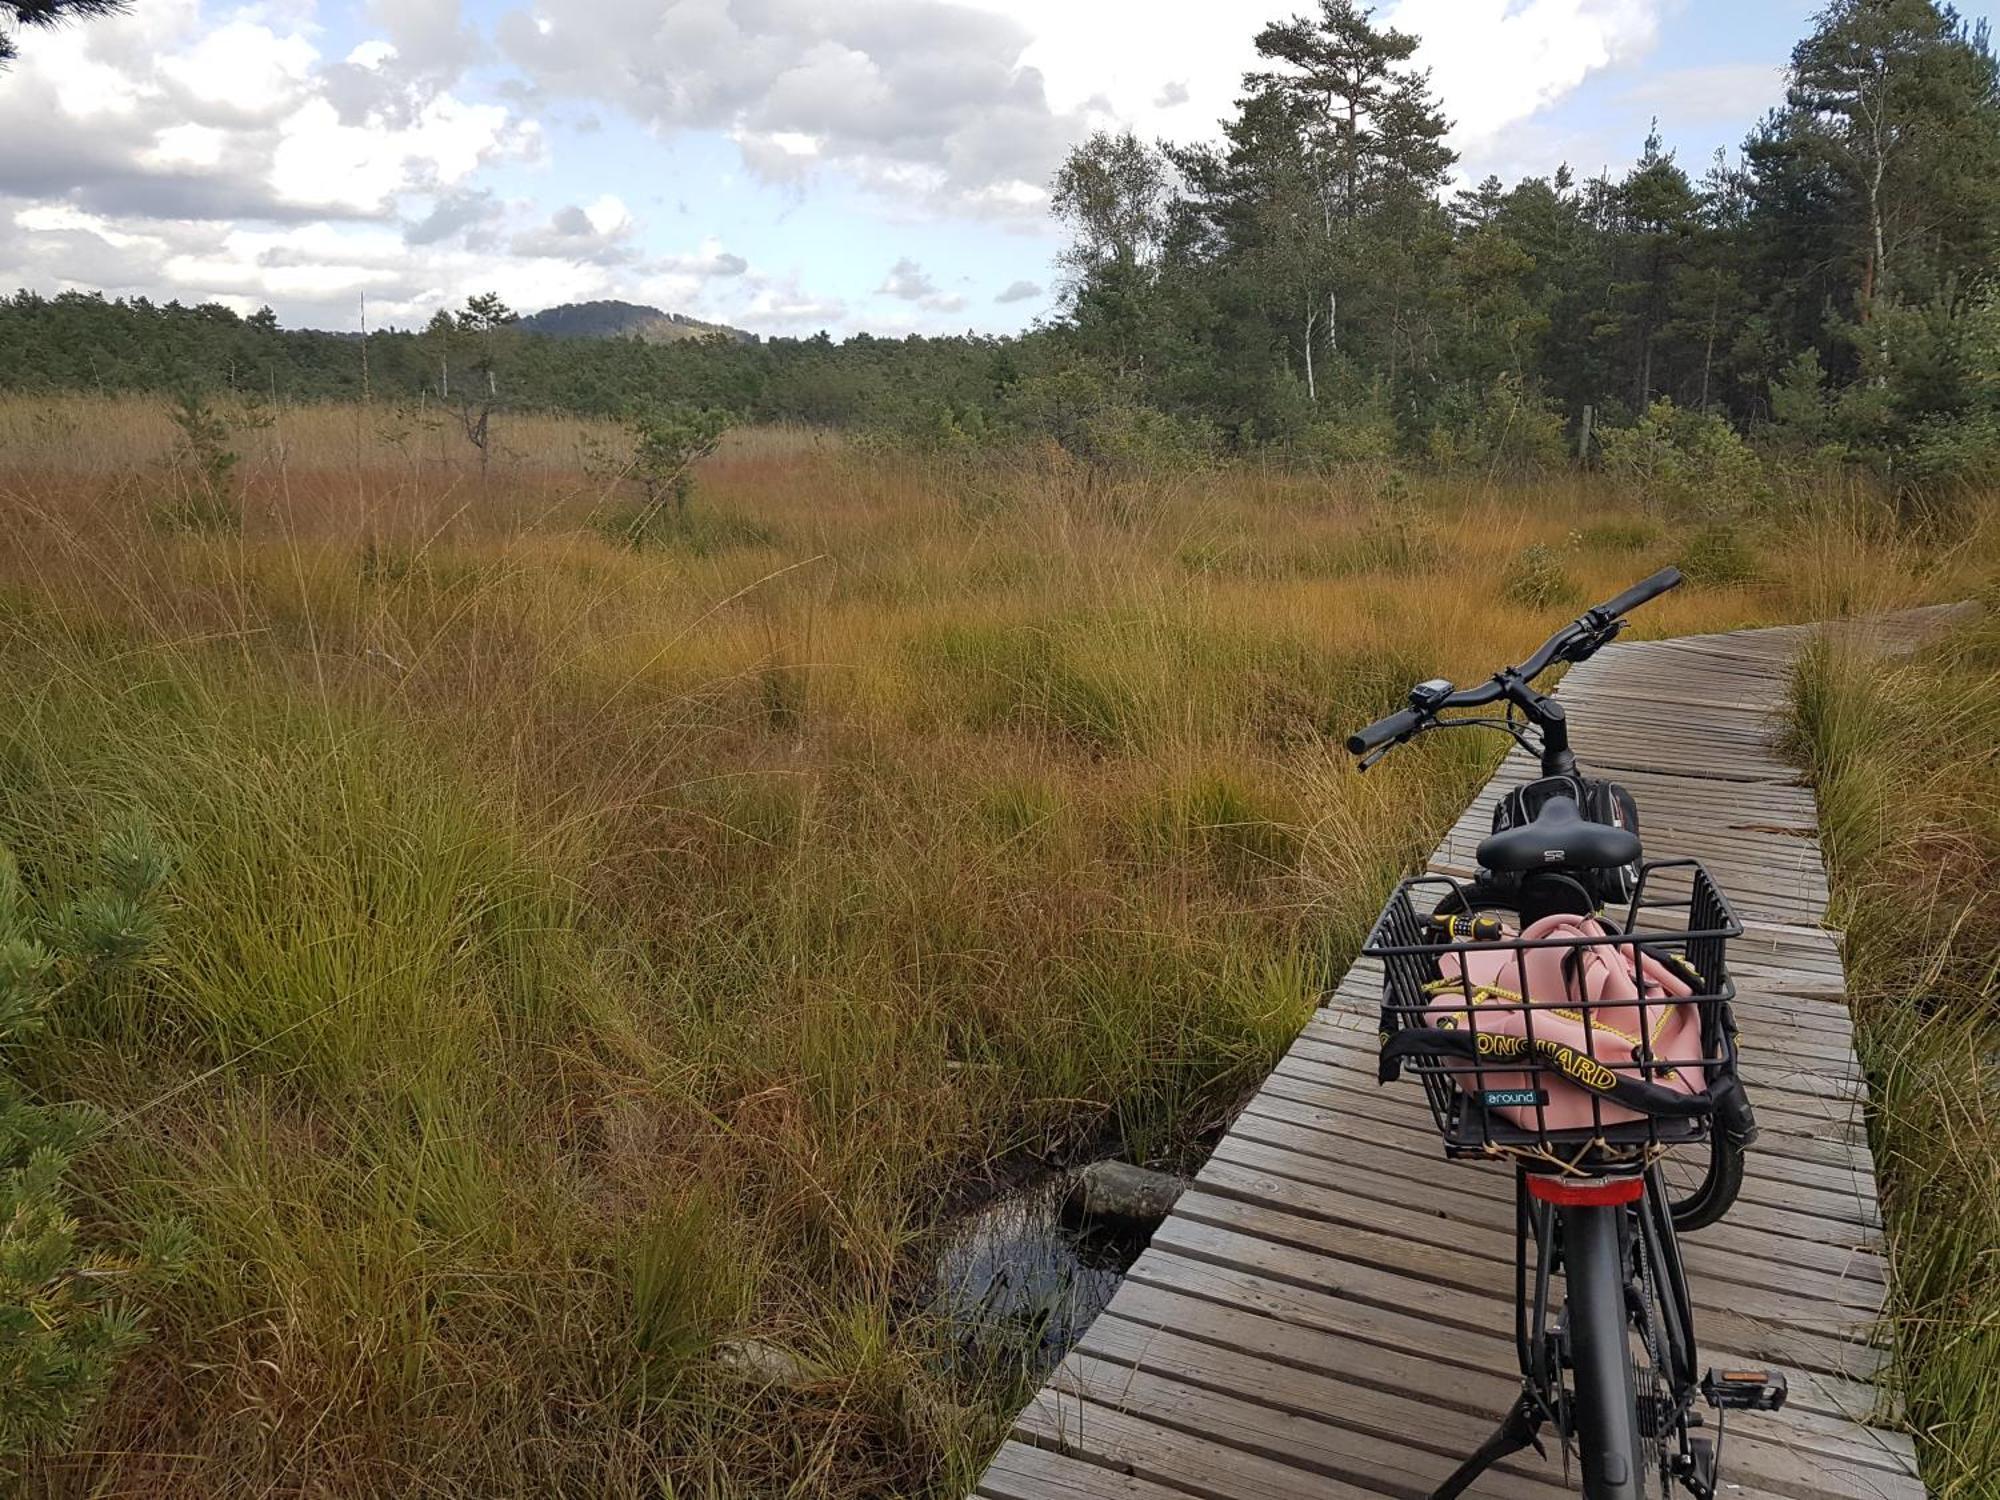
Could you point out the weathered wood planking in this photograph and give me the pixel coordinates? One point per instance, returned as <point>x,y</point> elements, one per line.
<point>1328,1313</point>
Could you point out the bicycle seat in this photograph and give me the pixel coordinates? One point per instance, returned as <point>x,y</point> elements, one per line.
<point>1559,838</point>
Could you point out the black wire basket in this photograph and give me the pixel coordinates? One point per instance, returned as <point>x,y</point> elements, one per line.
<point>1491,1089</point>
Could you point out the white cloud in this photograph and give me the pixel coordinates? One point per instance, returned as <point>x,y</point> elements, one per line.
<point>242,72</point>
<point>784,306</point>
<point>909,282</point>
<point>322,163</point>
<point>924,99</point>
<point>1497,62</point>
<point>187,145</point>
<point>602,234</point>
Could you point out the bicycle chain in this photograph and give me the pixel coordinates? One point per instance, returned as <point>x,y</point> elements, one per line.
<point>1653,1401</point>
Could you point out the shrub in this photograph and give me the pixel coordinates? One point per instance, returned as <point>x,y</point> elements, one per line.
<point>201,470</point>
<point>1360,434</point>
<point>1719,555</point>
<point>1686,461</point>
<point>1538,580</point>
<point>64,1319</point>
<point>1800,409</point>
<point>1100,422</point>
<point>1505,427</point>
<point>1620,534</point>
<point>666,445</point>
<point>1945,453</point>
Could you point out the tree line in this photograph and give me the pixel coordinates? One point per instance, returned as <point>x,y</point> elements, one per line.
<point>1308,279</point>
<point>1308,284</point>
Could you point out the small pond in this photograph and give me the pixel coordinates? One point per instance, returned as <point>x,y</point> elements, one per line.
<point>1021,1282</point>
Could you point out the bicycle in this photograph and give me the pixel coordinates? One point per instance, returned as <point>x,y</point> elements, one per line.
<point>1508,996</point>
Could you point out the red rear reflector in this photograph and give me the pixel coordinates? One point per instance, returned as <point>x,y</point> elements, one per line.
<point>1586,1193</point>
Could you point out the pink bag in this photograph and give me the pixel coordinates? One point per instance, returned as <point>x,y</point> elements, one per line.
<point>1595,1040</point>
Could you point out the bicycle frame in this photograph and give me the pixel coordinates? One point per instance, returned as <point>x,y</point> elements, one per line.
<point>1594,1237</point>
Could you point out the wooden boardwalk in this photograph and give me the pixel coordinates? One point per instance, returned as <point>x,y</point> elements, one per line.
<point>1328,1312</point>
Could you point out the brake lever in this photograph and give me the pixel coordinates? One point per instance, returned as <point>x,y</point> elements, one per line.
<point>1374,756</point>
<point>1596,641</point>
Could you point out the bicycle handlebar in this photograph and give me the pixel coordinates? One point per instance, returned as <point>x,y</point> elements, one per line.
<point>1638,594</point>
<point>1575,642</point>
<point>1385,731</point>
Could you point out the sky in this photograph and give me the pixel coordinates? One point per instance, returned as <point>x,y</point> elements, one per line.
<point>784,166</point>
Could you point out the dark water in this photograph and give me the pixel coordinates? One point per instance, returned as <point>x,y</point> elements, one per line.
<point>1020,1285</point>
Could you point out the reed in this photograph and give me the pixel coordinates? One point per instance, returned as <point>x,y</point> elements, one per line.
<point>1904,757</point>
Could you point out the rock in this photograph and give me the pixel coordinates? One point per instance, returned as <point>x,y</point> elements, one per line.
<point>764,1363</point>
<point>1120,1196</point>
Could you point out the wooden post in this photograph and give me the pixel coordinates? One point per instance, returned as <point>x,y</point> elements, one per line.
<point>1583,434</point>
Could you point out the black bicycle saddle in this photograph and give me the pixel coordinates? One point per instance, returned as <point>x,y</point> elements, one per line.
<point>1560,838</point>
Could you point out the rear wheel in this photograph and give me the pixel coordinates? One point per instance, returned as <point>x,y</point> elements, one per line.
<point>1605,1413</point>
<point>1702,1180</point>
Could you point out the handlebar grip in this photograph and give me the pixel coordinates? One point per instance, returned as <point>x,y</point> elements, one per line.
<point>1384,731</point>
<point>1638,594</point>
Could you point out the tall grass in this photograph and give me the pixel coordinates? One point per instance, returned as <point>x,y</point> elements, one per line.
<point>1906,757</point>
<point>582,957</point>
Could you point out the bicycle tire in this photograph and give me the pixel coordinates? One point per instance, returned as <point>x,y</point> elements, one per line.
<point>1604,1401</point>
<point>1698,1203</point>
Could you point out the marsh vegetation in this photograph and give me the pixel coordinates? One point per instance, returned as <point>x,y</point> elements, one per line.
<point>576,956</point>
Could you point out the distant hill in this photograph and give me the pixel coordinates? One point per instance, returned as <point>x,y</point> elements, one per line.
<point>624,320</point>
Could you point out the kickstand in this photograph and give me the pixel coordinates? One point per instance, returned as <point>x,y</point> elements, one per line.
<point>1520,1428</point>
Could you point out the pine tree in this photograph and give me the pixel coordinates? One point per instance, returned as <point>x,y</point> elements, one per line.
<point>49,13</point>
<point>1900,101</point>
<point>1658,214</point>
<point>66,1311</point>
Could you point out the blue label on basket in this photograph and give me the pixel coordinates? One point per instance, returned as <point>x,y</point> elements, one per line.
<point>1514,1098</point>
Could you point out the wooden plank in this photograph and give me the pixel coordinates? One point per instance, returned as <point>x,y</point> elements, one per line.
<point>1152,1322</point>
<point>1723,1331</point>
<point>1452,1354</point>
<point>1405,1413</point>
<point>1021,1472</point>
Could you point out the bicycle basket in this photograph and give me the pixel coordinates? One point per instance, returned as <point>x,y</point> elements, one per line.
<point>1577,1042</point>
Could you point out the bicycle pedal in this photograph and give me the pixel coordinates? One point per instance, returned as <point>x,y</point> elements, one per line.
<point>1745,1390</point>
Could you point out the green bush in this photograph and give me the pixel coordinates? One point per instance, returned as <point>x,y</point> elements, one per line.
<point>1358,434</point>
<point>1094,418</point>
<point>666,445</point>
<point>1719,555</point>
<point>1537,579</point>
<point>202,493</point>
<point>1505,426</point>
<point>1949,453</point>
<point>66,1318</point>
<point>1801,412</point>
<point>1688,462</point>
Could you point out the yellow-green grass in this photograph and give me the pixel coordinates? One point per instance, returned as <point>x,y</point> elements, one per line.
<point>580,957</point>
<point>1906,756</point>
